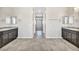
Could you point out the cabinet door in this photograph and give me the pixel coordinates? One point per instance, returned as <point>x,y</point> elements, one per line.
<point>77,38</point>
<point>0,39</point>
<point>74,37</point>
<point>69,35</point>
<point>10,35</point>
<point>5,37</point>
<point>0,42</point>
<point>64,33</point>
<point>14,34</point>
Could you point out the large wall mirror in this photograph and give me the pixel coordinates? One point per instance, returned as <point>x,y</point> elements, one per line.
<point>11,20</point>
<point>68,19</point>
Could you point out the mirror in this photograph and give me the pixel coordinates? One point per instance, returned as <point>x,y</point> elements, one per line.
<point>11,20</point>
<point>68,19</point>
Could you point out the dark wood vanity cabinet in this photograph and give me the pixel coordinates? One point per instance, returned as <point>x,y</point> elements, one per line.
<point>71,36</point>
<point>7,36</point>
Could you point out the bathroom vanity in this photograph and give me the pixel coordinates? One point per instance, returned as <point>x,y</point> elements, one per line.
<point>7,34</point>
<point>71,34</point>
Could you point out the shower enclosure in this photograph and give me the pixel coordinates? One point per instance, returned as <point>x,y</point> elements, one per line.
<point>39,22</point>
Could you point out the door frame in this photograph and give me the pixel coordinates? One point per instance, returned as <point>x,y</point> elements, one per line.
<point>44,22</point>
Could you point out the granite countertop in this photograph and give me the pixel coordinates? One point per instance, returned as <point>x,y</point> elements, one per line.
<point>72,28</point>
<point>6,28</point>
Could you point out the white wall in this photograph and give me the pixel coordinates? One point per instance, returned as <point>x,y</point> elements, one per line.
<point>25,24</point>
<point>24,18</point>
<point>54,20</point>
<point>71,12</point>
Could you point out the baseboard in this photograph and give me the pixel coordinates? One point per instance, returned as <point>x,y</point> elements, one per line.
<point>53,37</point>
<point>25,37</point>
<point>46,37</point>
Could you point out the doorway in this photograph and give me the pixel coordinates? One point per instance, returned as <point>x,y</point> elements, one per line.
<point>39,23</point>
